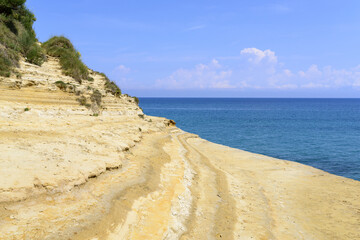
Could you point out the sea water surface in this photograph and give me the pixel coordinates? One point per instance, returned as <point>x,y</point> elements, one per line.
<point>323,133</point>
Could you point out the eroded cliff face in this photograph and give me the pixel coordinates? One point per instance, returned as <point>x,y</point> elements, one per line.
<point>69,172</point>
<point>49,91</point>
<point>44,126</point>
<point>51,144</point>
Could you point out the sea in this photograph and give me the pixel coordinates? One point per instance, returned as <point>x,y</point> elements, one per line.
<point>323,133</point>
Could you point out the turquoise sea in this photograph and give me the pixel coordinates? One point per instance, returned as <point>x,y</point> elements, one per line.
<point>324,133</point>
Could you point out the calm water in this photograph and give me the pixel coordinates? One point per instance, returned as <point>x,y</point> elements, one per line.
<point>324,133</point>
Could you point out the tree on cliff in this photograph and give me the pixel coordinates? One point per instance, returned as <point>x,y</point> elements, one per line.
<point>7,6</point>
<point>16,10</point>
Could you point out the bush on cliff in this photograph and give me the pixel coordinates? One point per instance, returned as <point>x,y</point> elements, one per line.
<point>61,85</point>
<point>70,61</point>
<point>111,86</point>
<point>7,61</point>
<point>96,97</point>
<point>82,100</point>
<point>35,55</point>
<point>17,37</point>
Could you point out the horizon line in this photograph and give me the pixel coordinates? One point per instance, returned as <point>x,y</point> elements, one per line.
<point>265,97</point>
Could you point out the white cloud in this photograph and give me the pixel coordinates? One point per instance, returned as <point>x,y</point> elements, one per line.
<point>312,72</point>
<point>120,75</point>
<point>197,27</point>
<point>257,56</point>
<point>259,69</point>
<point>122,69</point>
<point>202,76</point>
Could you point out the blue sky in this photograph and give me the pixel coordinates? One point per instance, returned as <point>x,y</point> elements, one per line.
<point>198,48</point>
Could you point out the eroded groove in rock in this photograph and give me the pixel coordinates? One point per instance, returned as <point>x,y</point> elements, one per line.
<point>215,215</point>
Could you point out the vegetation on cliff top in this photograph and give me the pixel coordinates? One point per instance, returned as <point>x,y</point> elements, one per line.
<point>70,61</point>
<point>17,37</point>
<point>110,86</point>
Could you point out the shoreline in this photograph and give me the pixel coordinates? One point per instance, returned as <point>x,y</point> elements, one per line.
<point>319,133</point>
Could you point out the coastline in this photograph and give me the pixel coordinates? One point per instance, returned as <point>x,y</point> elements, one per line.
<point>318,132</point>
<point>80,160</point>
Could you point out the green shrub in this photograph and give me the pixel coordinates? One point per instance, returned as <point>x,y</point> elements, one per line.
<point>18,75</point>
<point>17,36</point>
<point>26,41</point>
<point>71,87</point>
<point>61,85</point>
<point>26,18</point>
<point>56,44</point>
<point>70,61</point>
<point>26,109</point>
<point>35,55</point>
<point>110,86</point>
<point>104,75</point>
<point>31,50</point>
<point>96,97</point>
<point>9,50</point>
<point>5,65</point>
<point>113,88</point>
<point>82,100</point>
<point>136,100</point>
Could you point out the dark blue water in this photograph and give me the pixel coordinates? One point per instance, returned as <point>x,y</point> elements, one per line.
<point>324,133</point>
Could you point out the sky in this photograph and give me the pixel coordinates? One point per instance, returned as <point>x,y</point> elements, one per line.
<point>212,48</point>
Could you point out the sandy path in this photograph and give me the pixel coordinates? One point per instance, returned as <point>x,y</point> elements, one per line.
<point>212,213</point>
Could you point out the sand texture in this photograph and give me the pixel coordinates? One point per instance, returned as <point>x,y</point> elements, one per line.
<point>67,174</point>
